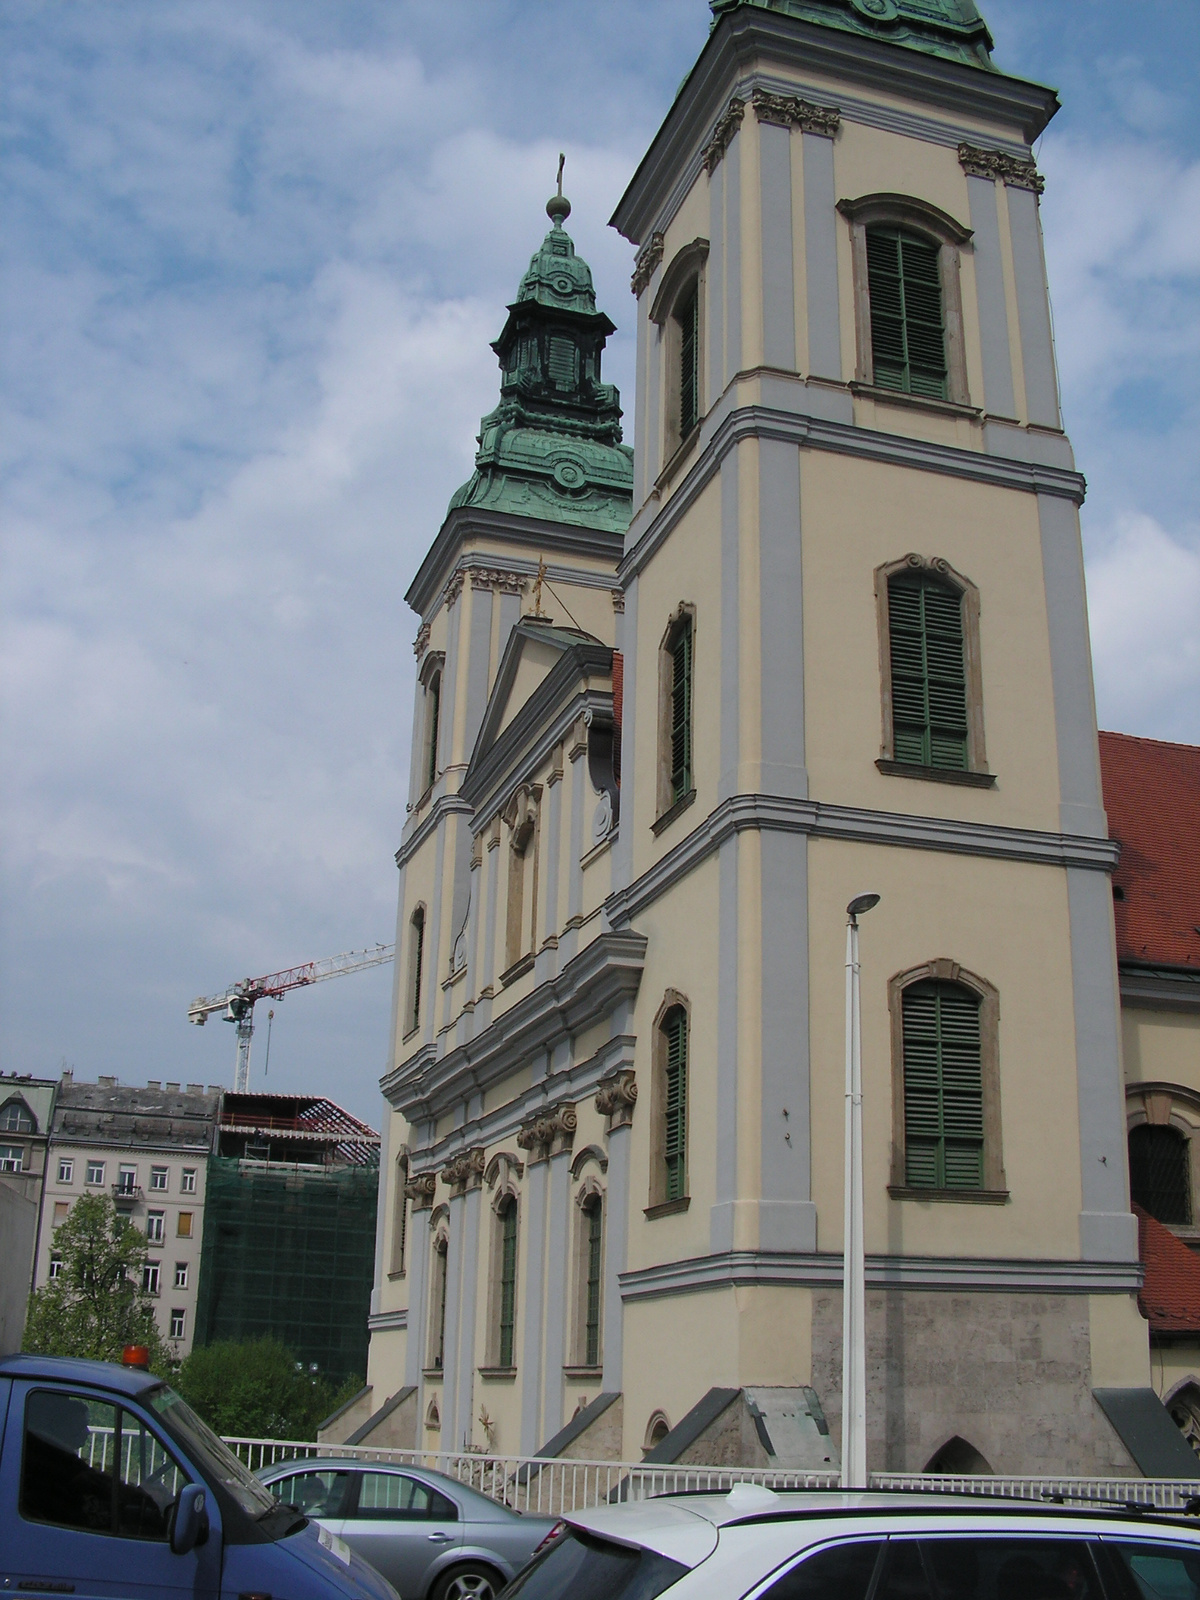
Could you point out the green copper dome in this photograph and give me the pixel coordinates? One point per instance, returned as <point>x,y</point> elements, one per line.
<point>952,29</point>
<point>552,447</point>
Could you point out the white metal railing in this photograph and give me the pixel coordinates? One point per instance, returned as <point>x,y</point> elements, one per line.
<point>557,1487</point>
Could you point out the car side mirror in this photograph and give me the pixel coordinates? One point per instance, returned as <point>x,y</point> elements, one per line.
<point>190,1525</point>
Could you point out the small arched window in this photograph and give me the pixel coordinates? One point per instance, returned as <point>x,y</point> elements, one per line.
<point>437,1301</point>
<point>669,1185</point>
<point>15,1117</point>
<point>943,1087</point>
<point>1160,1173</point>
<point>676,698</point>
<point>908,335</point>
<point>678,313</point>
<point>416,963</point>
<point>593,1255</point>
<point>506,1299</point>
<point>400,1218</point>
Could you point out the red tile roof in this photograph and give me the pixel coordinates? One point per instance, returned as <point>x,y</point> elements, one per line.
<point>1170,1297</point>
<point>1152,796</point>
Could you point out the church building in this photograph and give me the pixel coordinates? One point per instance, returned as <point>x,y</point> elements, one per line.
<point>819,629</point>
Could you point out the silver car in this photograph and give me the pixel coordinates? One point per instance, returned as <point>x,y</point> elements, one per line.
<point>431,1537</point>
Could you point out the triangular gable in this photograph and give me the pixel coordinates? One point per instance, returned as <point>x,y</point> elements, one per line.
<point>533,650</point>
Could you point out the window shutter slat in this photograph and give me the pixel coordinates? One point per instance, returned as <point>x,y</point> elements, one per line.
<point>928,665</point>
<point>908,337</point>
<point>675,1105</point>
<point>943,1087</point>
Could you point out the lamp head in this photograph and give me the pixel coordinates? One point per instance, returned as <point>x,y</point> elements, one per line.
<point>861,903</point>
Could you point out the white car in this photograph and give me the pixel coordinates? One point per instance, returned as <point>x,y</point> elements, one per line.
<point>753,1544</point>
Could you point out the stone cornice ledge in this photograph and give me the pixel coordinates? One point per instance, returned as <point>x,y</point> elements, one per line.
<point>447,806</point>
<point>380,1320</point>
<point>778,813</point>
<point>604,973</point>
<point>842,438</point>
<point>740,1268</point>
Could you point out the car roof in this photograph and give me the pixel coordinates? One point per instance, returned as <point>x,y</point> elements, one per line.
<point>67,1369</point>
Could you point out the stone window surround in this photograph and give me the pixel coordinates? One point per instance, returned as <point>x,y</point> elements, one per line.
<point>688,269</point>
<point>918,216</point>
<point>995,1186</point>
<point>506,1192</point>
<point>432,666</point>
<point>658,1204</point>
<point>522,816</point>
<point>414,970</point>
<point>439,1256</point>
<point>400,1216</point>
<point>667,808</point>
<point>977,773</point>
<point>590,1192</point>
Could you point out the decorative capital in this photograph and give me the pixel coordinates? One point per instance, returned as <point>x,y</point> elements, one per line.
<point>501,578</point>
<point>453,589</point>
<point>550,1133</point>
<point>728,124</point>
<point>465,1171</point>
<point>789,111</point>
<point>616,1096</point>
<point>1015,171</point>
<point>420,1189</point>
<point>647,263</point>
<point>618,601</point>
<point>421,642</point>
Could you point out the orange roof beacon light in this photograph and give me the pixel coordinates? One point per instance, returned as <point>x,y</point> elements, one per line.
<point>136,1355</point>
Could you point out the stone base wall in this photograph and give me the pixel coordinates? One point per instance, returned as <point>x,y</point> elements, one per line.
<point>1008,1373</point>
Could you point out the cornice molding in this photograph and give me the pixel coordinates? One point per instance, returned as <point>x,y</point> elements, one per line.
<point>1159,988</point>
<point>781,814</point>
<point>790,111</point>
<point>446,805</point>
<point>743,1268</point>
<point>1015,171</point>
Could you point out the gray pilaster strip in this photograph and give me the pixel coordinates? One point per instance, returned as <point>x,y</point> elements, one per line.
<point>454,1276</point>
<point>464,1407</point>
<point>654,420</point>
<point>433,939</point>
<point>532,1300</point>
<point>487,973</point>
<point>729,645</point>
<point>725,1166</point>
<point>558,1279</point>
<point>1033,308</point>
<point>510,615</point>
<point>479,646</point>
<point>577,774</point>
<point>553,922</point>
<point>400,971</point>
<point>778,266</point>
<point>714,286</point>
<point>787,1216</point>
<point>733,257</point>
<point>459,903</point>
<point>782,612</point>
<point>416,777</point>
<point>418,1290</point>
<point>446,751</point>
<point>1107,1228</point>
<point>644,356</point>
<point>820,258</point>
<point>623,849</point>
<point>472,978</point>
<point>387,1169</point>
<point>616,1243</point>
<point>989,287</point>
<point>1081,804</point>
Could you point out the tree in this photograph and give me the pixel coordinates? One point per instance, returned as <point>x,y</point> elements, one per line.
<point>258,1390</point>
<point>96,1305</point>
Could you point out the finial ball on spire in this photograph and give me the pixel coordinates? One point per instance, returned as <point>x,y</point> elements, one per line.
<point>558,207</point>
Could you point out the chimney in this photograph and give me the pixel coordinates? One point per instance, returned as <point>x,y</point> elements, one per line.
<point>172,1088</point>
<point>153,1083</point>
<point>106,1083</point>
<point>195,1088</point>
<point>68,1075</point>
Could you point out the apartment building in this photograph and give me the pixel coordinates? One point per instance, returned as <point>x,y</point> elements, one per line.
<point>26,1109</point>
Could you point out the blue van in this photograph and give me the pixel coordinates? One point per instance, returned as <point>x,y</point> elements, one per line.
<point>112,1489</point>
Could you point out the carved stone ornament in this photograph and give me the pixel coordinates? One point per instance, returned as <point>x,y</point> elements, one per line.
<point>453,589</point>
<point>789,111</point>
<point>1015,171</point>
<point>648,260</point>
<point>729,123</point>
<point>616,1096</point>
<point>465,1171</point>
<point>550,1133</point>
<point>421,642</point>
<point>420,1189</point>
<point>618,601</point>
<point>500,578</point>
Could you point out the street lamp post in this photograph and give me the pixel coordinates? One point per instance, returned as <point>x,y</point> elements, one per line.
<point>854,1339</point>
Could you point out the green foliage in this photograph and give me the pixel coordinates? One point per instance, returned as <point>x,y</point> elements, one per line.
<point>96,1305</point>
<point>258,1390</point>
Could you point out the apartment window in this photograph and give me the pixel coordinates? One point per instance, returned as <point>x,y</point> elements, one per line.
<point>56,1266</point>
<point>946,1136</point>
<point>66,1171</point>
<point>416,966</point>
<point>507,1305</point>
<point>593,1217</point>
<point>181,1274</point>
<point>178,1323</point>
<point>1160,1178</point>
<point>183,1227</point>
<point>158,1177</point>
<point>95,1172</point>
<point>152,1277</point>
<point>678,311</point>
<point>932,688</point>
<point>127,1180</point>
<point>62,1210</point>
<point>676,777</point>
<point>12,1157</point>
<point>155,1226</point>
<point>187,1180</point>
<point>15,1118</point>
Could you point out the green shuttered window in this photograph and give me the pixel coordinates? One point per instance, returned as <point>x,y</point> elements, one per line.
<point>508,1281</point>
<point>908,336</point>
<point>943,1087</point>
<point>688,317</point>
<point>681,711</point>
<point>929,678</point>
<point>675,1104</point>
<point>433,714</point>
<point>594,1217</point>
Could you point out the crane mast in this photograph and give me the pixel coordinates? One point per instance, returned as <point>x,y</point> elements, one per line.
<point>239,999</point>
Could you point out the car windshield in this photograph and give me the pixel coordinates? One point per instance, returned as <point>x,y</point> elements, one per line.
<point>594,1569</point>
<point>197,1438</point>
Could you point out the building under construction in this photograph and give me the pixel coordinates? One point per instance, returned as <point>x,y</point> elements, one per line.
<point>290,1229</point>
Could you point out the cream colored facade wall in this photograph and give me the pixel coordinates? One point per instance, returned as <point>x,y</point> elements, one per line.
<point>1161,1047</point>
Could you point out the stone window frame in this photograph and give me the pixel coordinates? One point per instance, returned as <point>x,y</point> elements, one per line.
<point>506,1193</point>
<point>687,270</point>
<point>439,1259</point>
<point>399,1266</point>
<point>652,1437</point>
<point>659,1205</point>
<point>416,966</point>
<point>995,1185</point>
<point>432,672</point>
<point>952,238</point>
<point>589,1193</point>
<point>1176,1106</point>
<point>977,774</point>
<point>522,817</point>
<point>667,807</point>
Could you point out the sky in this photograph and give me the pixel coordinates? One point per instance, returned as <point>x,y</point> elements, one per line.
<point>253,256</point>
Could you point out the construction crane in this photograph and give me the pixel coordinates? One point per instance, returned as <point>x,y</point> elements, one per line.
<point>239,999</point>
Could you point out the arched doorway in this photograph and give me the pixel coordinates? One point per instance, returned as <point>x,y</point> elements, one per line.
<point>959,1458</point>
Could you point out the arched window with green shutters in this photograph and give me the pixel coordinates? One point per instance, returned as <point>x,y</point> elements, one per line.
<point>508,1282</point>
<point>688,318</point>
<point>675,1042</point>
<point>593,1217</point>
<point>928,671</point>
<point>908,332</point>
<point>943,1087</point>
<point>681,709</point>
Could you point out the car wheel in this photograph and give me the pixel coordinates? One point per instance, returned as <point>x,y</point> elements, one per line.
<point>468,1583</point>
